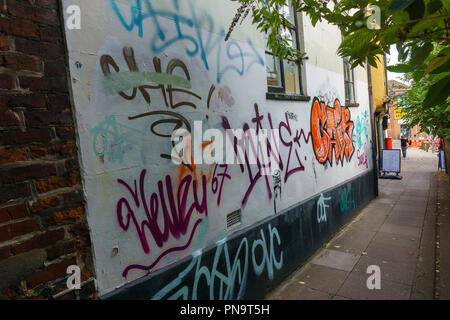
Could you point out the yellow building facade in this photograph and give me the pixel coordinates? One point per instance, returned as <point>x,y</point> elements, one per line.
<point>380,99</point>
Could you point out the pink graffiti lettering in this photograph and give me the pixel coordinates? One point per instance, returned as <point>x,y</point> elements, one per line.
<point>177,214</point>
<point>294,145</point>
<point>215,180</point>
<point>362,159</point>
<point>288,137</point>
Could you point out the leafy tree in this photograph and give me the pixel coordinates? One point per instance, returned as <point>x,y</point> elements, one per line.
<point>416,27</point>
<point>424,103</point>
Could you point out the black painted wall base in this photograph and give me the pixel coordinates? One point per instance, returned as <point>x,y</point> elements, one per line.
<point>252,262</point>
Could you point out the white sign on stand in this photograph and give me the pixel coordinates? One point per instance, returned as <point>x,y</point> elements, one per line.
<point>391,159</point>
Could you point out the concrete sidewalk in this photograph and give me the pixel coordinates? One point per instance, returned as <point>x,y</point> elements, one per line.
<point>405,231</point>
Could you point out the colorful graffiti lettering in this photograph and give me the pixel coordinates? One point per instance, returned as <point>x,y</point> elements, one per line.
<point>322,208</point>
<point>362,129</point>
<point>134,79</point>
<point>177,214</point>
<point>112,139</point>
<point>161,66</point>
<point>238,60</point>
<point>226,278</point>
<point>293,141</point>
<point>346,201</point>
<point>362,158</point>
<point>268,260</point>
<point>171,118</point>
<point>332,130</point>
<point>218,180</point>
<point>253,175</point>
<point>288,138</point>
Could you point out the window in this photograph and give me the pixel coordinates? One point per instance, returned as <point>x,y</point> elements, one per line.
<point>283,75</point>
<point>349,82</point>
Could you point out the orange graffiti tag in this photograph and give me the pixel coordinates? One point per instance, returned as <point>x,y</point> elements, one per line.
<point>331,129</point>
<point>192,167</point>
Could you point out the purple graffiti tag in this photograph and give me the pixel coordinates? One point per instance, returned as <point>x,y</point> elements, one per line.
<point>271,152</point>
<point>362,158</point>
<point>215,181</point>
<point>293,145</point>
<point>162,255</point>
<point>253,175</point>
<point>177,216</point>
<point>267,156</point>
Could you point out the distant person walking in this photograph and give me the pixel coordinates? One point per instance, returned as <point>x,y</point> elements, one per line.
<point>404,142</point>
<point>441,148</point>
<point>440,144</point>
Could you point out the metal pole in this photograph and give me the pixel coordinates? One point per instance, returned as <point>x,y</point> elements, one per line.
<point>372,125</point>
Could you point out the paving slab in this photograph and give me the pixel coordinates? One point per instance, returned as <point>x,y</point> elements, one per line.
<point>404,230</point>
<point>355,287</point>
<point>389,252</point>
<point>354,240</point>
<point>336,259</point>
<point>396,232</point>
<point>380,206</point>
<point>423,193</point>
<point>369,223</point>
<point>321,278</point>
<point>403,220</point>
<point>369,212</point>
<point>398,240</point>
<point>410,207</point>
<point>296,291</point>
<point>391,271</point>
<point>389,195</point>
<point>385,200</point>
<point>407,213</point>
<point>416,202</point>
<point>416,197</point>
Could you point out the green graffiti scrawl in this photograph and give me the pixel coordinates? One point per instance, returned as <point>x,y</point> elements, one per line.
<point>121,81</point>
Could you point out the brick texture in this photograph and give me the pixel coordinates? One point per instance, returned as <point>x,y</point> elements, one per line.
<point>42,213</point>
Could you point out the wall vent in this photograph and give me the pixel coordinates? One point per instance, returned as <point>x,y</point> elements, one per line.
<point>233,218</point>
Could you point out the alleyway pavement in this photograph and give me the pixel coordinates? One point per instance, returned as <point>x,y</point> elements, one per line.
<point>405,231</point>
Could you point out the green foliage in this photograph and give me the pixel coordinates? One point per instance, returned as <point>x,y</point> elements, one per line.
<point>437,92</point>
<point>416,27</point>
<point>427,102</point>
<point>398,5</point>
<point>268,19</point>
<point>401,68</point>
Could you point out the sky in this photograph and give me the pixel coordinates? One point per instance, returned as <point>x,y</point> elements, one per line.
<point>392,60</point>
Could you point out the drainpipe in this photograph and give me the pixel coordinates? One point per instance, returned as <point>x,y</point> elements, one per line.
<point>372,125</point>
<point>386,105</point>
<point>386,74</point>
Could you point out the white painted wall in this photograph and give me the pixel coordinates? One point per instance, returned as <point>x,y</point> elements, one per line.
<point>236,70</point>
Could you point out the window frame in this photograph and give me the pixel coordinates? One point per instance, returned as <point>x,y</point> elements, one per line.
<point>282,89</point>
<point>347,82</point>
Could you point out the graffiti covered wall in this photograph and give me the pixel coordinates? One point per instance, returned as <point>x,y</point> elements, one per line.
<point>142,69</point>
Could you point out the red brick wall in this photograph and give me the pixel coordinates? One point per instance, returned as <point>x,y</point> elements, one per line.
<point>43,226</point>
